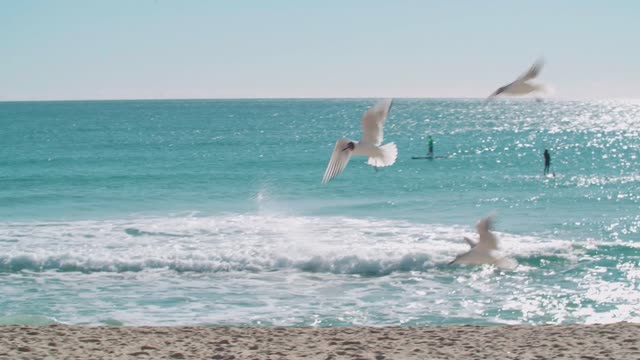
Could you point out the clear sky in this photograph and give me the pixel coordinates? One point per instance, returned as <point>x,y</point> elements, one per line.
<point>139,49</point>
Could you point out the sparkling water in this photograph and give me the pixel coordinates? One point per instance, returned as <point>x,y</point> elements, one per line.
<point>211,212</point>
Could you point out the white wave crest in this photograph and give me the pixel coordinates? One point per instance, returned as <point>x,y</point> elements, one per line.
<point>251,243</point>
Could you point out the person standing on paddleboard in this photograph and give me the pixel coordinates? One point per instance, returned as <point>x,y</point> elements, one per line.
<point>430,146</point>
<point>547,161</point>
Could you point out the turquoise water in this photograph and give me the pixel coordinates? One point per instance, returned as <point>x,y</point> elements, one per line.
<point>212,212</point>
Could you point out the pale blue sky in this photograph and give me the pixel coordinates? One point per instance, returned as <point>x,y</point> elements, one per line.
<point>138,49</point>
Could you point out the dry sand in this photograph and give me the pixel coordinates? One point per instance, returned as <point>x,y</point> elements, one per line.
<point>612,341</point>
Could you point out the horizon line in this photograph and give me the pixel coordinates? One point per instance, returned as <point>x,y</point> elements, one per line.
<point>316,98</point>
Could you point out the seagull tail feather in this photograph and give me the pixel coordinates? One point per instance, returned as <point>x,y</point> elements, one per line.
<point>389,153</point>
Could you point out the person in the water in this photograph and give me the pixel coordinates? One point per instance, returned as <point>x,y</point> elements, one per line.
<point>430,146</point>
<point>547,161</point>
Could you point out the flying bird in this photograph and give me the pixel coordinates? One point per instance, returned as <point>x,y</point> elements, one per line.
<point>522,85</point>
<point>369,145</point>
<point>485,251</point>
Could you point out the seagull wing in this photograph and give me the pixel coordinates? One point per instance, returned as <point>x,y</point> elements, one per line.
<point>471,243</point>
<point>532,72</point>
<point>499,91</point>
<point>488,240</point>
<point>339,160</point>
<point>464,258</point>
<point>373,122</point>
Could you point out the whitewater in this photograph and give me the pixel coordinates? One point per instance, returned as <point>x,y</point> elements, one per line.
<point>212,212</point>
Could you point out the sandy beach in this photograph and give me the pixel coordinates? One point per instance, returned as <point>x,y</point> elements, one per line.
<point>611,341</point>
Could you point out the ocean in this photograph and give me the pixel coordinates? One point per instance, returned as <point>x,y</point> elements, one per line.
<point>211,212</point>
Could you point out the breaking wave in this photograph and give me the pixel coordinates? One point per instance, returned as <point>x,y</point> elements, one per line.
<point>367,247</point>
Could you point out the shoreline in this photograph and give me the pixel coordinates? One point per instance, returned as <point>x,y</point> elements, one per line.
<point>597,341</point>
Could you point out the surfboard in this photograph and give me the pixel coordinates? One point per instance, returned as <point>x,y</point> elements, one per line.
<point>429,157</point>
<point>550,176</point>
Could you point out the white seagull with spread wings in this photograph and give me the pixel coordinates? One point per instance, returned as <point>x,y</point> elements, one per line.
<point>485,251</point>
<point>370,144</point>
<point>522,85</point>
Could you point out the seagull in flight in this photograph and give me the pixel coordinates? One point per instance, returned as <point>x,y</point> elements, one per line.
<point>485,251</point>
<point>369,145</point>
<point>522,85</point>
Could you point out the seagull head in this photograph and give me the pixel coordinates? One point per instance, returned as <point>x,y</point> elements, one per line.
<point>350,146</point>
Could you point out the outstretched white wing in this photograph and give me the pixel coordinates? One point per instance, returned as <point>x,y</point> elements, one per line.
<point>471,243</point>
<point>487,241</point>
<point>533,71</point>
<point>339,160</point>
<point>517,87</point>
<point>499,91</point>
<point>373,122</point>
